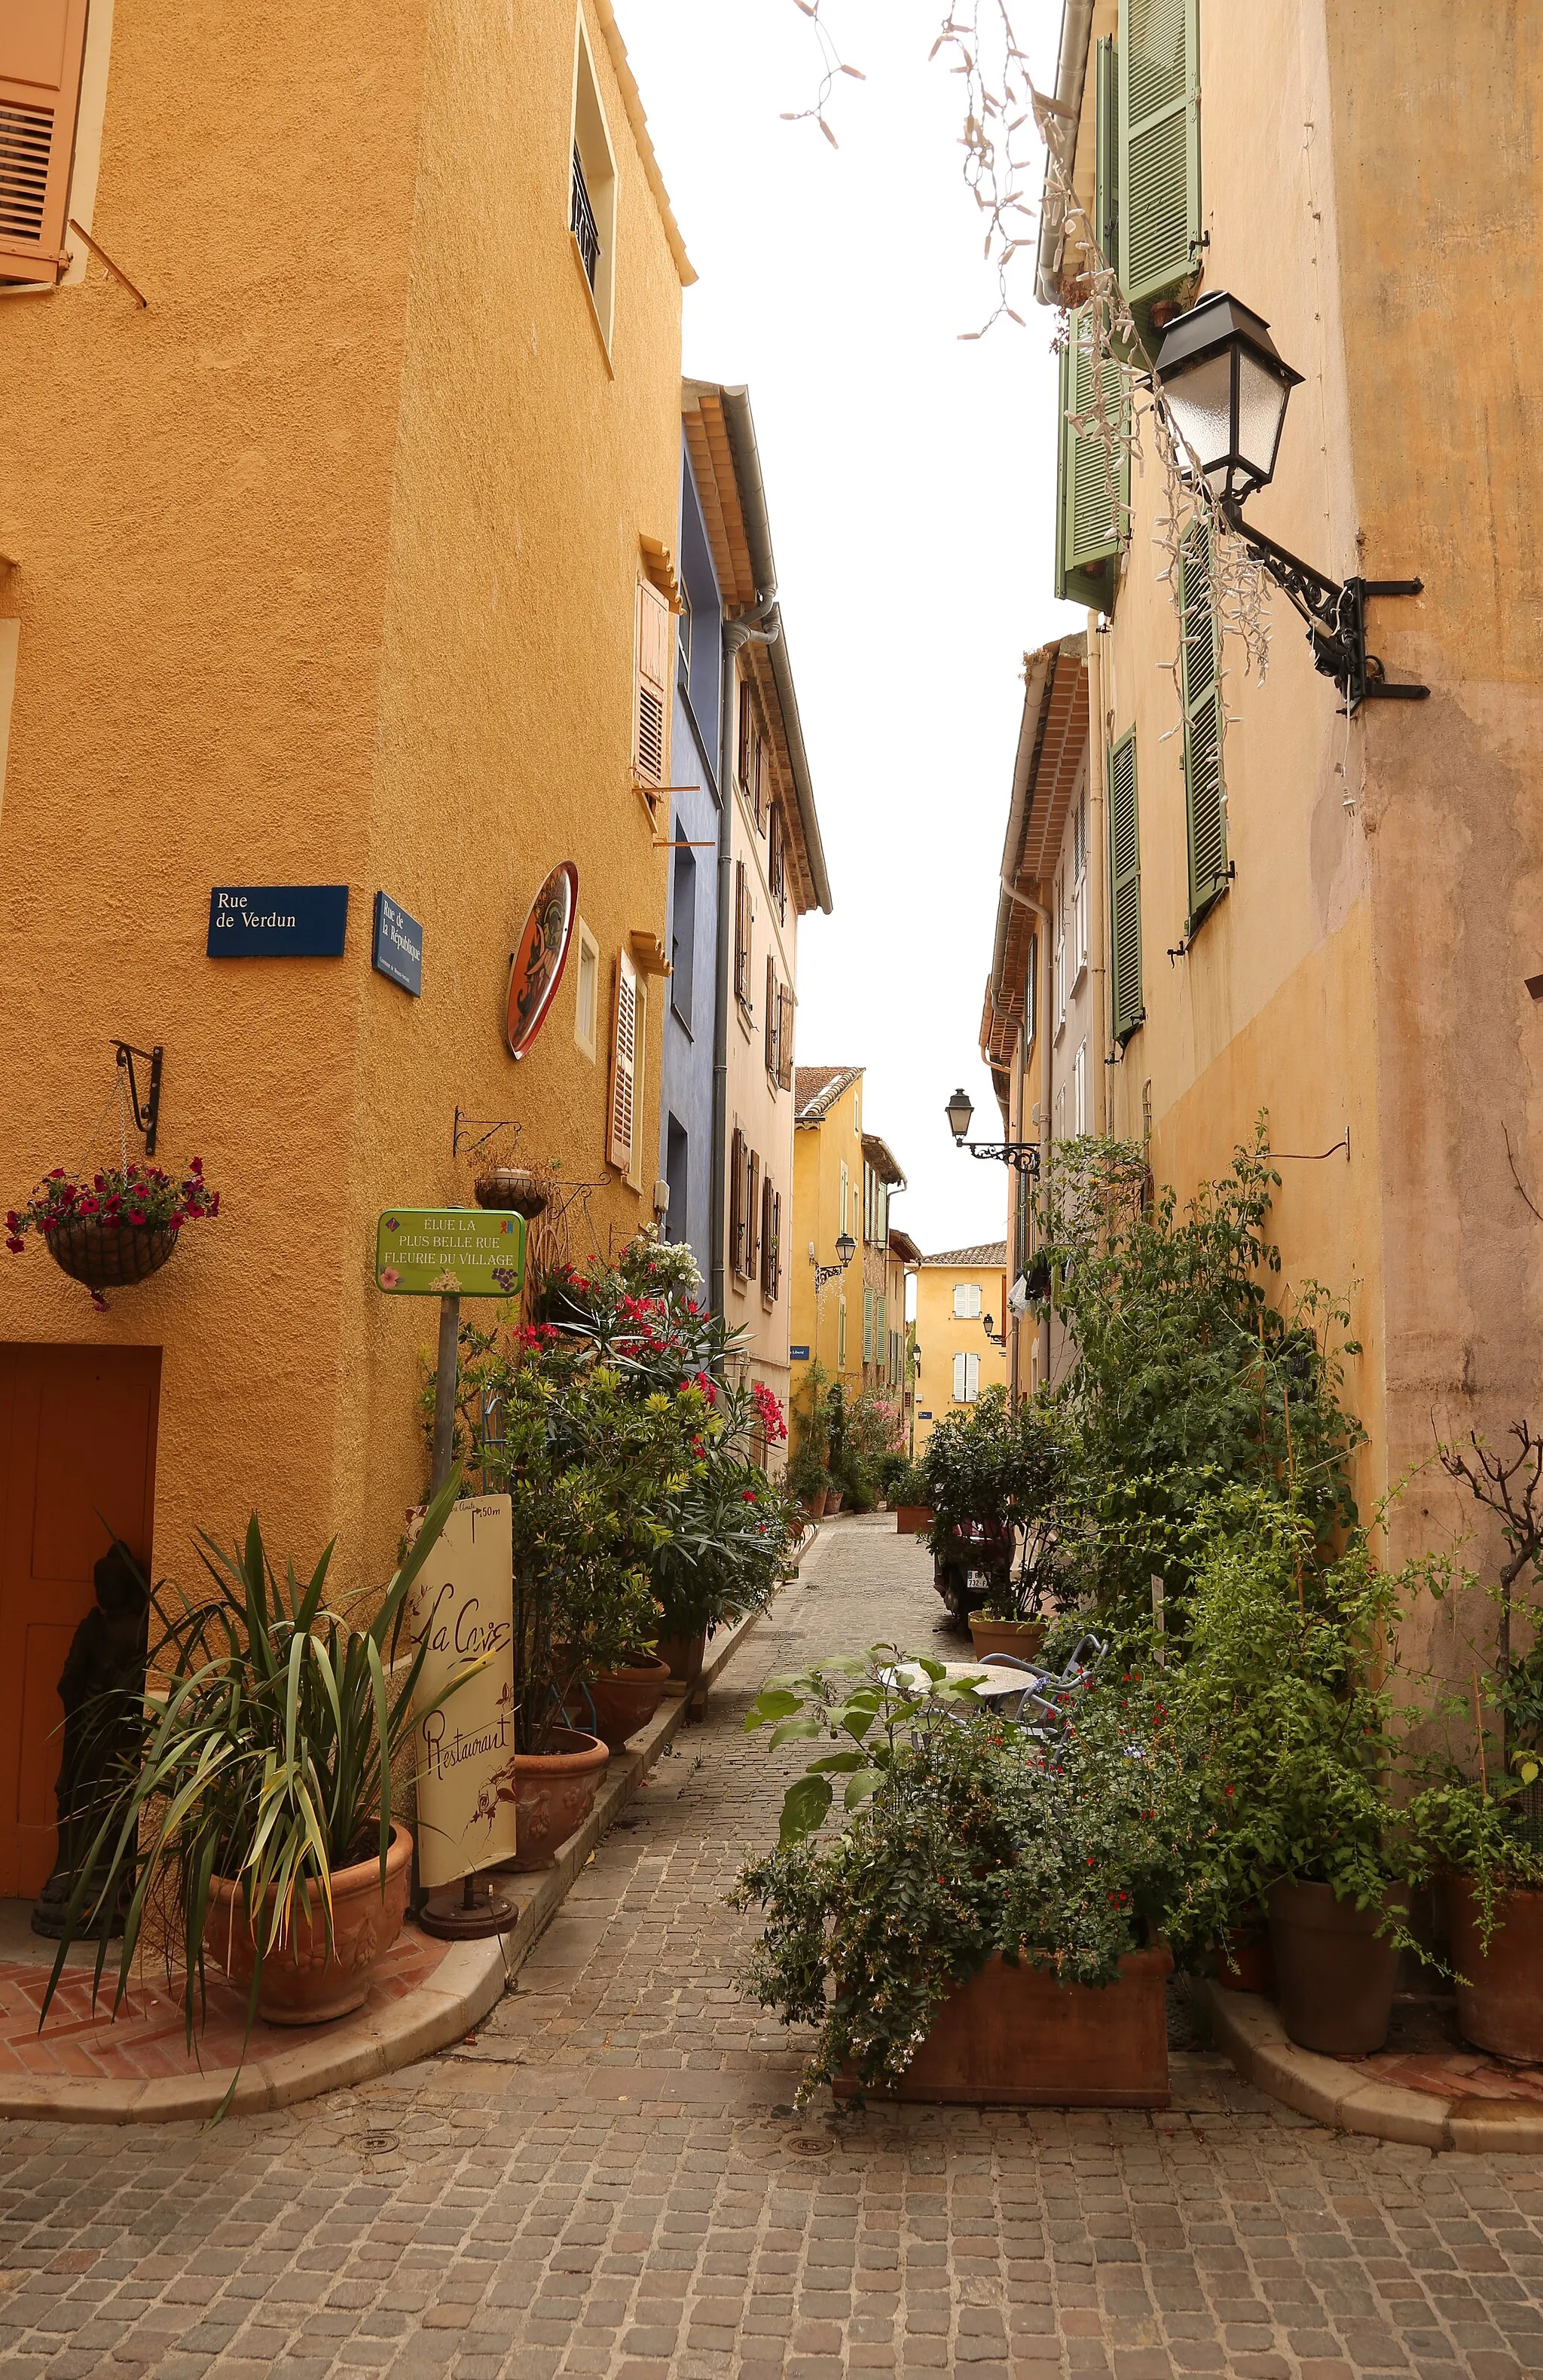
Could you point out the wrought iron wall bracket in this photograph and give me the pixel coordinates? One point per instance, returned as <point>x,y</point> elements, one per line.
<point>1022,1155</point>
<point>147,1119</point>
<point>1335,615</point>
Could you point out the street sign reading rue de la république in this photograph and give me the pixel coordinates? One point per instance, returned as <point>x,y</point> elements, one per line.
<point>449,1252</point>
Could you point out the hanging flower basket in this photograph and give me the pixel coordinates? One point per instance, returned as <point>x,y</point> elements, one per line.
<point>113,1228</point>
<point>111,1256</point>
<point>513,1190</point>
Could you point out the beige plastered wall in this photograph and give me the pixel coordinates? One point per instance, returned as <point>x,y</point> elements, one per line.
<point>325,571</point>
<point>1270,1005</point>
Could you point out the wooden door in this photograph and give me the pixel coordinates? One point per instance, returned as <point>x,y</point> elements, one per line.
<point>77,1465</point>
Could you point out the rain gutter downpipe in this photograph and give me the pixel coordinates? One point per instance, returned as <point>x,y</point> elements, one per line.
<point>761,625</point>
<point>1071,74</point>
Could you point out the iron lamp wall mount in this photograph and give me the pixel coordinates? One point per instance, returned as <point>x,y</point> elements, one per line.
<point>146,1117</point>
<point>1022,1155</point>
<point>1227,386</point>
<point>846,1249</point>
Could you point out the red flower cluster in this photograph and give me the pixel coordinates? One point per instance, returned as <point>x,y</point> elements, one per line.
<point>707,1384</point>
<point>537,1335</point>
<point>139,1197</point>
<point>769,1412</point>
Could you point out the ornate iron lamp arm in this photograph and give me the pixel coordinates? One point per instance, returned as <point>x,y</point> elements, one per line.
<point>1023,1155</point>
<point>1335,614</point>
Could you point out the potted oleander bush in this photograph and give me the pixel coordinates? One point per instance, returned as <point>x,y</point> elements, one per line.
<point>867,1436</point>
<point>816,1410</point>
<point>988,1475</point>
<point>989,1922</point>
<point>256,1802</point>
<point>908,1495</point>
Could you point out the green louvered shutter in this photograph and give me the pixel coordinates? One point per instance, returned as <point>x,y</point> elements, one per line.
<point>1093,489</point>
<point>1159,147</point>
<point>1205,800</point>
<point>1125,890</point>
<point>1106,204</point>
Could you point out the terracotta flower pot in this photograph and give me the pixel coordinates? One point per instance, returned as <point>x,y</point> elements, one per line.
<point>112,1257</point>
<point>513,1189</point>
<point>626,1699</point>
<point>1245,1964</point>
<point>554,1793</point>
<point>302,1981</point>
<point>684,1655</point>
<point>1015,2037</point>
<point>1022,1638</point>
<point>832,1502</point>
<point>911,1519</point>
<point>1335,1974</point>
<point>1500,2007</point>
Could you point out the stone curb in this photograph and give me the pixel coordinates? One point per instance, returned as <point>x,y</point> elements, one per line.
<point>469,1981</point>
<point>1249,2030</point>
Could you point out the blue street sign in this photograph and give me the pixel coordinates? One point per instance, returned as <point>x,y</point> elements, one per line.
<point>398,948</point>
<point>277,921</point>
<point>798,1354</point>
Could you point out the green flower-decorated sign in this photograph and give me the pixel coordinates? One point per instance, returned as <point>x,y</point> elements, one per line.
<point>449,1252</point>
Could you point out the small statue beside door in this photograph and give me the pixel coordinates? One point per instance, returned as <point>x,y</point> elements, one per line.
<point>102,1687</point>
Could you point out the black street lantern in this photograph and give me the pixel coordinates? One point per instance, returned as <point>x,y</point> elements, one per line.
<point>846,1247</point>
<point>1227,390</point>
<point>1023,1154</point>
<point>959,1110</point>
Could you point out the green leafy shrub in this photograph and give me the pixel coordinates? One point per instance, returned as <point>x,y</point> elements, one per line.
<point>960,1841</point>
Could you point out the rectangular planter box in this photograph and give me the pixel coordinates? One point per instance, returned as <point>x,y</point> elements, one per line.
<point>1013,2037</point>
<point>909,1519</point>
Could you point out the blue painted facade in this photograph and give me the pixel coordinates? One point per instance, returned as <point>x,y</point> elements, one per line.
<point>686,1080</point>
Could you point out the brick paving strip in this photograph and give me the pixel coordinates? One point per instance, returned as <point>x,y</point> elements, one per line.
<point>86,2067</point>
<point>607,2181</point>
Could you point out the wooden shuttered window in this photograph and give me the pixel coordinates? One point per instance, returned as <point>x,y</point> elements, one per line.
<point>745,760</point>
<point>753,1216</point>
<point>1158,161</point>
<point>42,44</point>
<point>744,918</point>
<point>1205,798</point>
<point>1106,153</point>
<point>651,710</point>
<point>867,1326</point>
<point>738,1228</point>
<point>623,1121</point>
<point>784,1038</point>
<point>773,1016</point>
<point>1094,483</point>
<point>771,1239</point>
<point>777,862</point>
<point>1125,890</point>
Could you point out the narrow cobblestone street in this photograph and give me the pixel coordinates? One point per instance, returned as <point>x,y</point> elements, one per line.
<point>609,2182</point>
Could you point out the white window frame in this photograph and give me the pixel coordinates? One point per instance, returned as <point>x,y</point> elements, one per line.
<point>1079,1087</point>
<point>587,992</point>
<point>964,1291</point>
<point>967,1378</point>
<point>590,134</point>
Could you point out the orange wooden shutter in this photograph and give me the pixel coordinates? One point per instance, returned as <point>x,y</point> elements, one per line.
<point>651,737</point>
<point>785,1038</point>
<point>42,46</point>
<point>623,1065</point>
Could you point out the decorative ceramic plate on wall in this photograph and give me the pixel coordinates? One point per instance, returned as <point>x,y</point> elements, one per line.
<point>535,969</point>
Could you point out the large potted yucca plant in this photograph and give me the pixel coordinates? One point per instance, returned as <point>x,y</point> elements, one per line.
<point>257,1805</point>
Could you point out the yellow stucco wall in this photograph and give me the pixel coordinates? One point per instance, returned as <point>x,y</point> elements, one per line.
<point>820,1151</point>
<point>940,1337</point>
<point>326,574</point>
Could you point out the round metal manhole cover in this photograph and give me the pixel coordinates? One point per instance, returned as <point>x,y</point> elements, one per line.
<point>810,2144</point>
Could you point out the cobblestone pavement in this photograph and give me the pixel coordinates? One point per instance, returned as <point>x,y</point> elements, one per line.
<point>607,2183</point>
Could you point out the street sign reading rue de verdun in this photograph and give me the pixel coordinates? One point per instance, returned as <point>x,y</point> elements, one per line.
<point>449,1252</point>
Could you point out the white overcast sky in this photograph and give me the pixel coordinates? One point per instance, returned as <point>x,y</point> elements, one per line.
<point>910,477</point>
